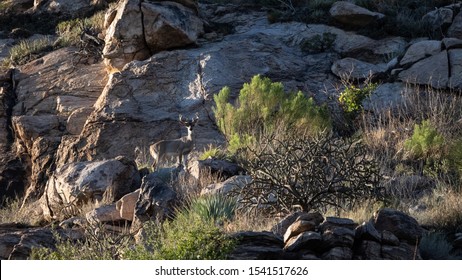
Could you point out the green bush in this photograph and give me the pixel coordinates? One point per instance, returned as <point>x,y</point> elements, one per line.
<point>216,208</point>
<point>187,237</point>
<point>262,107</point>
<point>425,141</point>
<point>352,97</point>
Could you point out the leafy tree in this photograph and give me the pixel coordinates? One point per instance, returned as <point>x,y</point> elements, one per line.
<point>262,107</point>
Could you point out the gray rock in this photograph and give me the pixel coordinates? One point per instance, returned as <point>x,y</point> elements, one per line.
<point>386,96</point>
<point>334,222</point>
<point>233,184</point>
<point>455,30</point>
<point>338,253</point>
<point>389,238</point>
<point>433,71</point>
<point>103,214</point>
<point>126,205</point>
<point>257,246</point>
<point>156,199</point>
<point>401,225</point>
<point>221,168</point>
<point>370,250</point>
<point>353,15</point>
<point>452,43</point>
<point>306,240</point>
<point>367,231</point>
<point>77,183</point>
<point>353,69</point>
<point>457,241</point>
<point>439,17</point>
<point>455,62</point>
<point>140,28</point>
<point>338,237</point>
<point>168,25</point>
<point>402,252</point>
<point>75,7</point>
<point>421,50</point>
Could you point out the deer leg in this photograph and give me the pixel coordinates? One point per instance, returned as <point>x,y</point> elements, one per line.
<point>180,159</point>
<point>185,161</point>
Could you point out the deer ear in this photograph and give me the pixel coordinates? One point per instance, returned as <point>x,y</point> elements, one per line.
<point>182,120</point>
<point>196,118</point>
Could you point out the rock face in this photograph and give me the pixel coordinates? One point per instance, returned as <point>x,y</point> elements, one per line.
<point>77,183</point>
<point>49,93</point>
<point>351,14</point>
<point>140,28</point>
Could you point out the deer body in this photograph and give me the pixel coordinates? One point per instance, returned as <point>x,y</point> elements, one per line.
<point>179,148</point>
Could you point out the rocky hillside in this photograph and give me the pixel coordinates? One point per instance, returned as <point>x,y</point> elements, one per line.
<point>76,124</point>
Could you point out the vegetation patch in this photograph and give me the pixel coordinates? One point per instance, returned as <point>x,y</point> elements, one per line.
<point>262,107</point>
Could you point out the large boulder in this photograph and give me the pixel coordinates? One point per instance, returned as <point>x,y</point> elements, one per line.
<point>168,25</point>
<point>257,246</point>
<point>455,30</point>
<point>354,69</point>
<point>157,199</point>
<point>421,50</point>
<point>353,15</point>
<point>125,36</point>
<point>78,183</point>
<point>401,225</point>
<point>433,71</point>
<point>233,184</point>
<point>455,62</point>
<point>138,28</point>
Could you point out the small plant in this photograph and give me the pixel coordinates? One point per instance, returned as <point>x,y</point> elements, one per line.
<point>435,246</point>
<point>69,32</point>
<point>352,97</point>
<point>213,152</point>
<point>28,50</point>
<point>216,208</point>
<point>318,43</point>
<point>424,141</point>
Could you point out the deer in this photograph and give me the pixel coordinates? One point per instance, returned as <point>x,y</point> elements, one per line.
<point>179,148</point>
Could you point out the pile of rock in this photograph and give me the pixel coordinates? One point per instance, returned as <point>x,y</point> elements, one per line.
<point>390,234</point>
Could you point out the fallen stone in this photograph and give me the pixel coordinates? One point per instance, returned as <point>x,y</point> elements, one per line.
<point>353,15</point>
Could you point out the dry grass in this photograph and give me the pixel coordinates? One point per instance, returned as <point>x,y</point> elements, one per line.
<point>386,132</point>
<point>14,212</point>
<point>250,221</point>
<point>444,210</point>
